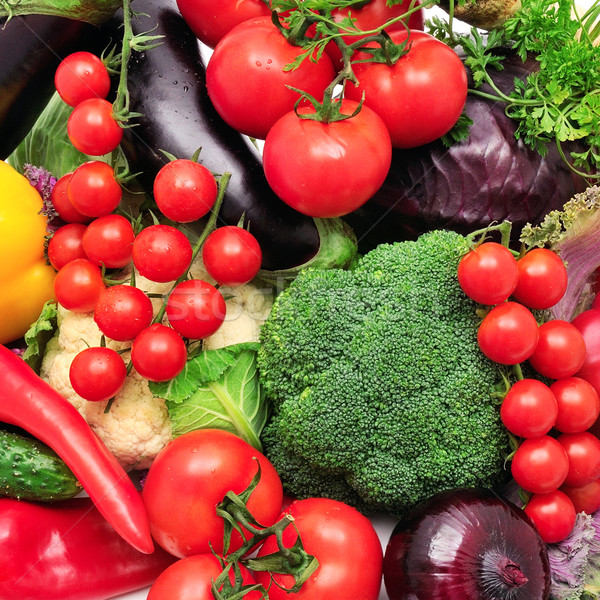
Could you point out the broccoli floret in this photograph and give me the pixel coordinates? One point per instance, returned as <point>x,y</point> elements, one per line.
<point>381,396</point>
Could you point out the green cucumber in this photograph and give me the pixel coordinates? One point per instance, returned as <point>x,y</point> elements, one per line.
<point>30,470</point>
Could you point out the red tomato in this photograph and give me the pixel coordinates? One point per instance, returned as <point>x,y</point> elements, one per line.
<point>184,190</point>
<point>231,255</point>
<point>488,273</point>
<point>195,309</point>
<point>97,373</point>
<point>553,515</point>
<point>92,128</point>
<point>583,451</point>
<point>540,465</point>
<point>65,245</point>
<point>578,404</point>
<point>190,579</point>
<point>252,57</point>
<point>542,279</point>
<point>529,409</point>
<point>210,20</point>
<point>585,498</point>
<point>161,253</point>
<point>560,351</point>
<point>421,96</point>
<point>369,16</point>
<point>345,544</point>
<point>108,241</point>
<point>78,285</point>
<point>93,189</point>
<point>508,334</point>
<point>210,463</point>
<point>80,76</point>
<point>327,169</point>
<point>123,311</point>
<point>63,205</point>
<point>588,324</point>
<point>158,353</point>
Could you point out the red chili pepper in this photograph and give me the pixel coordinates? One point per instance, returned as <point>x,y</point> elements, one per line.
<point>29,402</point>
<point>67,550</point>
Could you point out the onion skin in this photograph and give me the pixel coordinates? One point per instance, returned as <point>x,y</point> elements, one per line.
<point>466,544</point>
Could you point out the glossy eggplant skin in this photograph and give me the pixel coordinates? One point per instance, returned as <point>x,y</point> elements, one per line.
<point>167,85</point>
<point>31,48</point>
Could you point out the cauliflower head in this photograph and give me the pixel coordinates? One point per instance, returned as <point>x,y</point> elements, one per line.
<point>138,426</point>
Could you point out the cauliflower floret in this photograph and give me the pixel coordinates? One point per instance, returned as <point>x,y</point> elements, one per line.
<point>248,307</point>
<point>137,426</point>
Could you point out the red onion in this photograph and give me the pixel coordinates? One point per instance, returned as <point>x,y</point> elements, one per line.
<point>466,545</point>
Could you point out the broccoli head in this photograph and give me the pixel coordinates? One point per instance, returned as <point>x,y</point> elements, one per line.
<point>380,394</point>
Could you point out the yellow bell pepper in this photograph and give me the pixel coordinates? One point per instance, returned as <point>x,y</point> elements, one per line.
<point>26,280</point>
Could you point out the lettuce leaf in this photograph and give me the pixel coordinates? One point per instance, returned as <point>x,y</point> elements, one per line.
<point>218,389</point>
<point>39,334</point>
<point>47,144</point>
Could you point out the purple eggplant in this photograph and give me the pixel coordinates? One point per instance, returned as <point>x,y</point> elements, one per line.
<point>31,48</point>
<point>167,85</point>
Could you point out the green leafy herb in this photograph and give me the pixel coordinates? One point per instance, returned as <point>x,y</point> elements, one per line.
<point>218,389</point>
<point>558,103</point>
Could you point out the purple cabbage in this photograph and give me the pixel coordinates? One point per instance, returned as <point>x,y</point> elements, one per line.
<point>43,181</point>
<point>490,176</point>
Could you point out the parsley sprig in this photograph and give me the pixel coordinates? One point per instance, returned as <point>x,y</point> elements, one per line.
<point>558,103</point>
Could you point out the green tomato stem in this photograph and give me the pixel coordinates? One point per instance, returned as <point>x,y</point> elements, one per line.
<point>95,12</point>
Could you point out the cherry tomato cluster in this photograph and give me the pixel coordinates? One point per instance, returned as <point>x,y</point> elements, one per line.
<point>557,460</point>
<point>96,237</point>
<point>83,82</point>
<point>324,153</point>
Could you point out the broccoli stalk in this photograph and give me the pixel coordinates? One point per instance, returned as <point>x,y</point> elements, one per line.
<point>380,395</point>
<point>573,233</point>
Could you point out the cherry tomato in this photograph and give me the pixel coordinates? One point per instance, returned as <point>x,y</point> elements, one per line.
<point>78,285</point>
<point>560,351</point>
<point>158,353</point>
<point>529,409</point>
<point>63,205</point>
<point>508,334</point>
<point>585,498</point>
<point>211,462</point>
<point>540,464</point>
<point>97,373</point>
<point>583,451</point>
<point>231,255</point>
<point>122,312</point>
<point>421,96</point>
<point>92,128</point>
<point>252,57</point>
<point>80,76</point>
<point>372,15</point>
<point>190,579</point>
<point>542,279</point>
<point>327,169</point>
<point>93,189</point>
<point>341,539</point>
<point>553,515</point>
<point>184,190</point>
<point>108,241</point>
<point>161,253</point>
<point>210,20</point>
<point>65,245</point>
<point>578,404</point>
<point>488,273</point>
<point>195,309</point>
<point>588,324</point>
